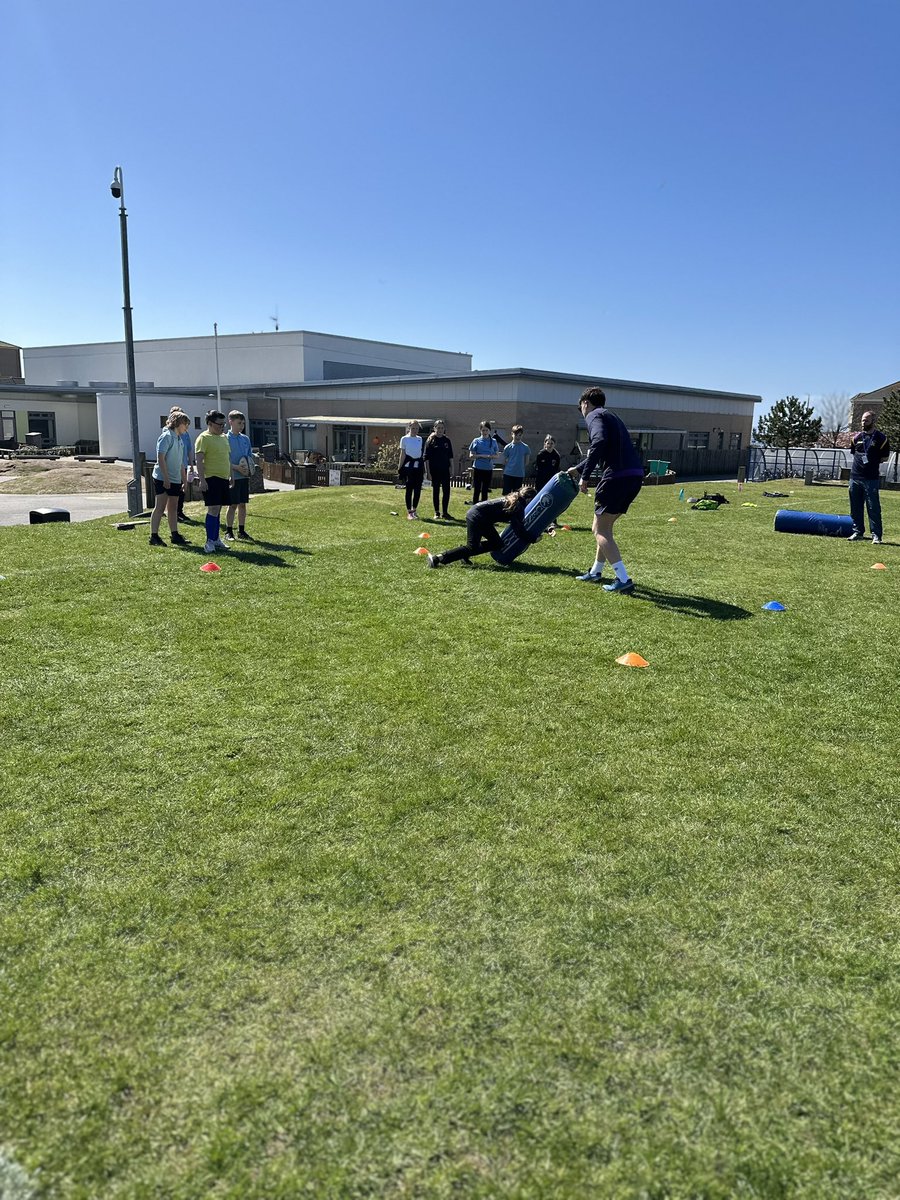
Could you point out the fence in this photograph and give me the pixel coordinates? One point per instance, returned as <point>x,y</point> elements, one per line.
<point>824,462</point>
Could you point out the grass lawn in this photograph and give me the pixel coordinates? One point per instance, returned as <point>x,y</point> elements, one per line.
<point>332,875</point>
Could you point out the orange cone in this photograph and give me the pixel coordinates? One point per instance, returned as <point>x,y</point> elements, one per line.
<point>421,550</point>
<point>210,567</point>
<point>632,660</point>
<point>567,528</point>
<point>424,535</point>
<point>878,567</point>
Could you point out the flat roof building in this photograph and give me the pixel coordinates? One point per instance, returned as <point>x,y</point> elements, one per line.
<point>343,397</point>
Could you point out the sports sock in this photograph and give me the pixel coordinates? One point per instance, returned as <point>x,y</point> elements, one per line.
<point>596,569</point>
<point>210,535</point>
<point>242,529</point>
<point>217,528</point>
<point>621,573</point>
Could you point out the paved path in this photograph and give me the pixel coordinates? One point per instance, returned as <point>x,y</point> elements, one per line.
<point>82,506</point>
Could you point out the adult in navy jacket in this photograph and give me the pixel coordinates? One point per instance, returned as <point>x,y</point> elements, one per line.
<point>869,449</point>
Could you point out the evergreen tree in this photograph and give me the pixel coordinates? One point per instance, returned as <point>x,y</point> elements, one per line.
<point>788,423</point>
<point>889,423</point>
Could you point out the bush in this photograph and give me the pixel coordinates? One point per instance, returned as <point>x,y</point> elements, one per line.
<point>388,456</point>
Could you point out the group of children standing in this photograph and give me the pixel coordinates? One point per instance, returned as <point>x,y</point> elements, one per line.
<point>436,451</point>
<point>223,463</point>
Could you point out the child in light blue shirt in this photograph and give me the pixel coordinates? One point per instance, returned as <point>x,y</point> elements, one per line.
<point>515,459</point>
<point>240,454</point>
<point>482,451</point>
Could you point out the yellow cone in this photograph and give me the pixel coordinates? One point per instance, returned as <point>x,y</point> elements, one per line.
<point>672,520</point>
<point>632,660</point>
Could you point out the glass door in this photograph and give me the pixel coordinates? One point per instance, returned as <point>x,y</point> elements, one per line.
<point>349,443</point>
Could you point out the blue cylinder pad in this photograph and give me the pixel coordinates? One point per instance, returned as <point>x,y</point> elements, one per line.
<point>551,502</point>
<point>789,521</point>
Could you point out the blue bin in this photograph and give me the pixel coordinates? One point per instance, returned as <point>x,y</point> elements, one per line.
<point>787,520</point>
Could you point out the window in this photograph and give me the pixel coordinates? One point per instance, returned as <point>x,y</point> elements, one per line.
<point>349,443</point>
<point>263,433</point>
<point>43,423</point>
<point>7,425</point>
<point>734,441</point>
<point>303,436</point>
<point>720,439</point>
<point>697,441</point>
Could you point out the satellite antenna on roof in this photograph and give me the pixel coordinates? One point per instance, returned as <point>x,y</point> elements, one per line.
<point>275,318</point>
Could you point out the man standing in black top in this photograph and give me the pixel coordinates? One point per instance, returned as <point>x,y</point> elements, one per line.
<point>869,449</point>
<point>612,449</point>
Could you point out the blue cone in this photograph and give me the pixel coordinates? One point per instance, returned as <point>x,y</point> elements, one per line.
<point>774,606</point>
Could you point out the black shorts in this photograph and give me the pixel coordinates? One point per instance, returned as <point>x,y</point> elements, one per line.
<point>174,489</point>
<point>615,495</point>
<point>240,491</point>
<point>217,491</point>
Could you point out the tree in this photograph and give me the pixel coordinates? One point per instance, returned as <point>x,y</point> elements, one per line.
<point>889,423</point>
<point>834,410</point>
<point>788,423</point>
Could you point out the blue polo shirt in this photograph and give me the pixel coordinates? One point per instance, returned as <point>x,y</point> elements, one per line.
<point>168,444</point>
<point>484,449</point>
<point>238,447</point>
<point>514,456</point>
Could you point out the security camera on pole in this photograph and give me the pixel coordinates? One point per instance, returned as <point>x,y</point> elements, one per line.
<point>117,187</point>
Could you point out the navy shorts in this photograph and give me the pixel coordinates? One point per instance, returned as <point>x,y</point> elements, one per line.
<point>174,489</point>
<point>615,495</point>
<point>216,491</point>
<point>240,490</point>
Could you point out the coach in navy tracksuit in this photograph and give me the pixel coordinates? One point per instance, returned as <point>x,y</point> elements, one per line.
<point>623,473</point>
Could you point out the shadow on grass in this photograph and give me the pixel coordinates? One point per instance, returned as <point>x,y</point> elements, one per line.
<point>536,568</point>
<point>259,556</point>
<point>692,606</point>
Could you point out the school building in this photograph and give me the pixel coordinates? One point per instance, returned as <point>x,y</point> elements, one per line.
<point>343,397</point>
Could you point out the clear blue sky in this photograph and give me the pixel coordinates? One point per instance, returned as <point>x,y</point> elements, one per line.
<point>698,192</point>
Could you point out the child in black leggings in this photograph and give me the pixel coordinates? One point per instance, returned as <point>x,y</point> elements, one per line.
<point>439,457</point>
<point>481,522</point>
<point>412,467</point>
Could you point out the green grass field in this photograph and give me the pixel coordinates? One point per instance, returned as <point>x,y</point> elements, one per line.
<point>332,875</point>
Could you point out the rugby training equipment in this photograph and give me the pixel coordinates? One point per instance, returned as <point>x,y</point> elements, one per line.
<point>788,520</point>
<point>551,502</point>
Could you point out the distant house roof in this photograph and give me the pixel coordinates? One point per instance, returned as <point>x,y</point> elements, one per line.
<point>879,394</point>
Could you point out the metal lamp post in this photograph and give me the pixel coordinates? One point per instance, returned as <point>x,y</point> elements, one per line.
<point>117,187</point>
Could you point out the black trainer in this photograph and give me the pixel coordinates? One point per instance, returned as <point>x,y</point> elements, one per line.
<point>156,540</point>
<point>178,539</point>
